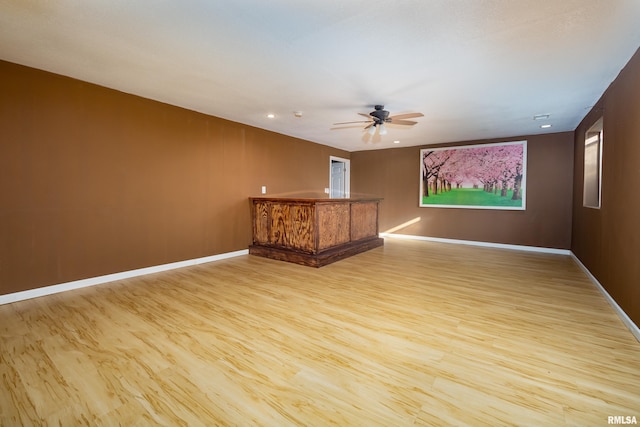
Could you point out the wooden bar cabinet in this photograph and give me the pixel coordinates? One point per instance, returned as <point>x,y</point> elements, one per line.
<point>313,231</point>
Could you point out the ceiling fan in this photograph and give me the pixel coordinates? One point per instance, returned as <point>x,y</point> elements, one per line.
<point>380,116</point>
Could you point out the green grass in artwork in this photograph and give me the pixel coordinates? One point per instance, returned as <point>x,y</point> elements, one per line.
<point>471,197</point>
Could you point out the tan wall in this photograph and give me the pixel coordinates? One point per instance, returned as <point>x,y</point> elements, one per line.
<point>94,181</point>
<point>394,174</point>
<point>607,240</point>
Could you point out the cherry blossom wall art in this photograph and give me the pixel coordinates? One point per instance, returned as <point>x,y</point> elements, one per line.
<point>484,176</point>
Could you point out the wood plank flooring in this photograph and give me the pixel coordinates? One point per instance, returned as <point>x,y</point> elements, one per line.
<point>412,333</point>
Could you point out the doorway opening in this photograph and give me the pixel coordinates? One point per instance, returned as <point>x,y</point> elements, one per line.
<point>339,177</point>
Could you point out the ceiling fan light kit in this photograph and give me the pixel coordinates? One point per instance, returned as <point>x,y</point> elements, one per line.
<point>379,116</point>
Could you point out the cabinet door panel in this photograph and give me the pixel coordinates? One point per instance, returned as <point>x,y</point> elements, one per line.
<point>364,220</point>
<point>261,223</point>
<point>333,224</point>
<point>292,226</point>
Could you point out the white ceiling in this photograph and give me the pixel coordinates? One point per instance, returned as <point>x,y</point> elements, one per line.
<point>476,68</point>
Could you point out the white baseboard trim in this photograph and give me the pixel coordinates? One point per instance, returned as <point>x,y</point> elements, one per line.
<point>483,244</point>
<point>619,311</point>
<point>83,283</point>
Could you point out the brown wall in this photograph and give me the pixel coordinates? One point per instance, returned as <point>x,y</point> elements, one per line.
<point>607,240</point>
<point>94,181</point>
<point>394,174</point>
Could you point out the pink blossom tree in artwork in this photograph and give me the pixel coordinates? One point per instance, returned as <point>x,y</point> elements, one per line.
<point>509,162</point>
<point>492,168</point>
<point>432,162</point>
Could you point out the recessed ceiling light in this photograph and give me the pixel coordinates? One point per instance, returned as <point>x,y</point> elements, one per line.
<point>396,142</point>
<point>271,116</point>
<point>545,126</point>
<point>541,116</point>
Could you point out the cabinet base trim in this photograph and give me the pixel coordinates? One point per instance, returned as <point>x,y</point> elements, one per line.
<point>320,259</point>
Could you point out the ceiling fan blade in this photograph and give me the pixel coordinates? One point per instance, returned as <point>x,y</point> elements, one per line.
<point>343,127</point>
<point>406,116</point>
<point>368,126</point>
<point>368,116</point>
<point>348,123</point>
<point>401,122</point>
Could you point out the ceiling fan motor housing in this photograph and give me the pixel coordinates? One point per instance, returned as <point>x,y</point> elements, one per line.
<point>380,114</point>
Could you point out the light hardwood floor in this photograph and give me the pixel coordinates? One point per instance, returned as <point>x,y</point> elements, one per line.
<point>412,333</point>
